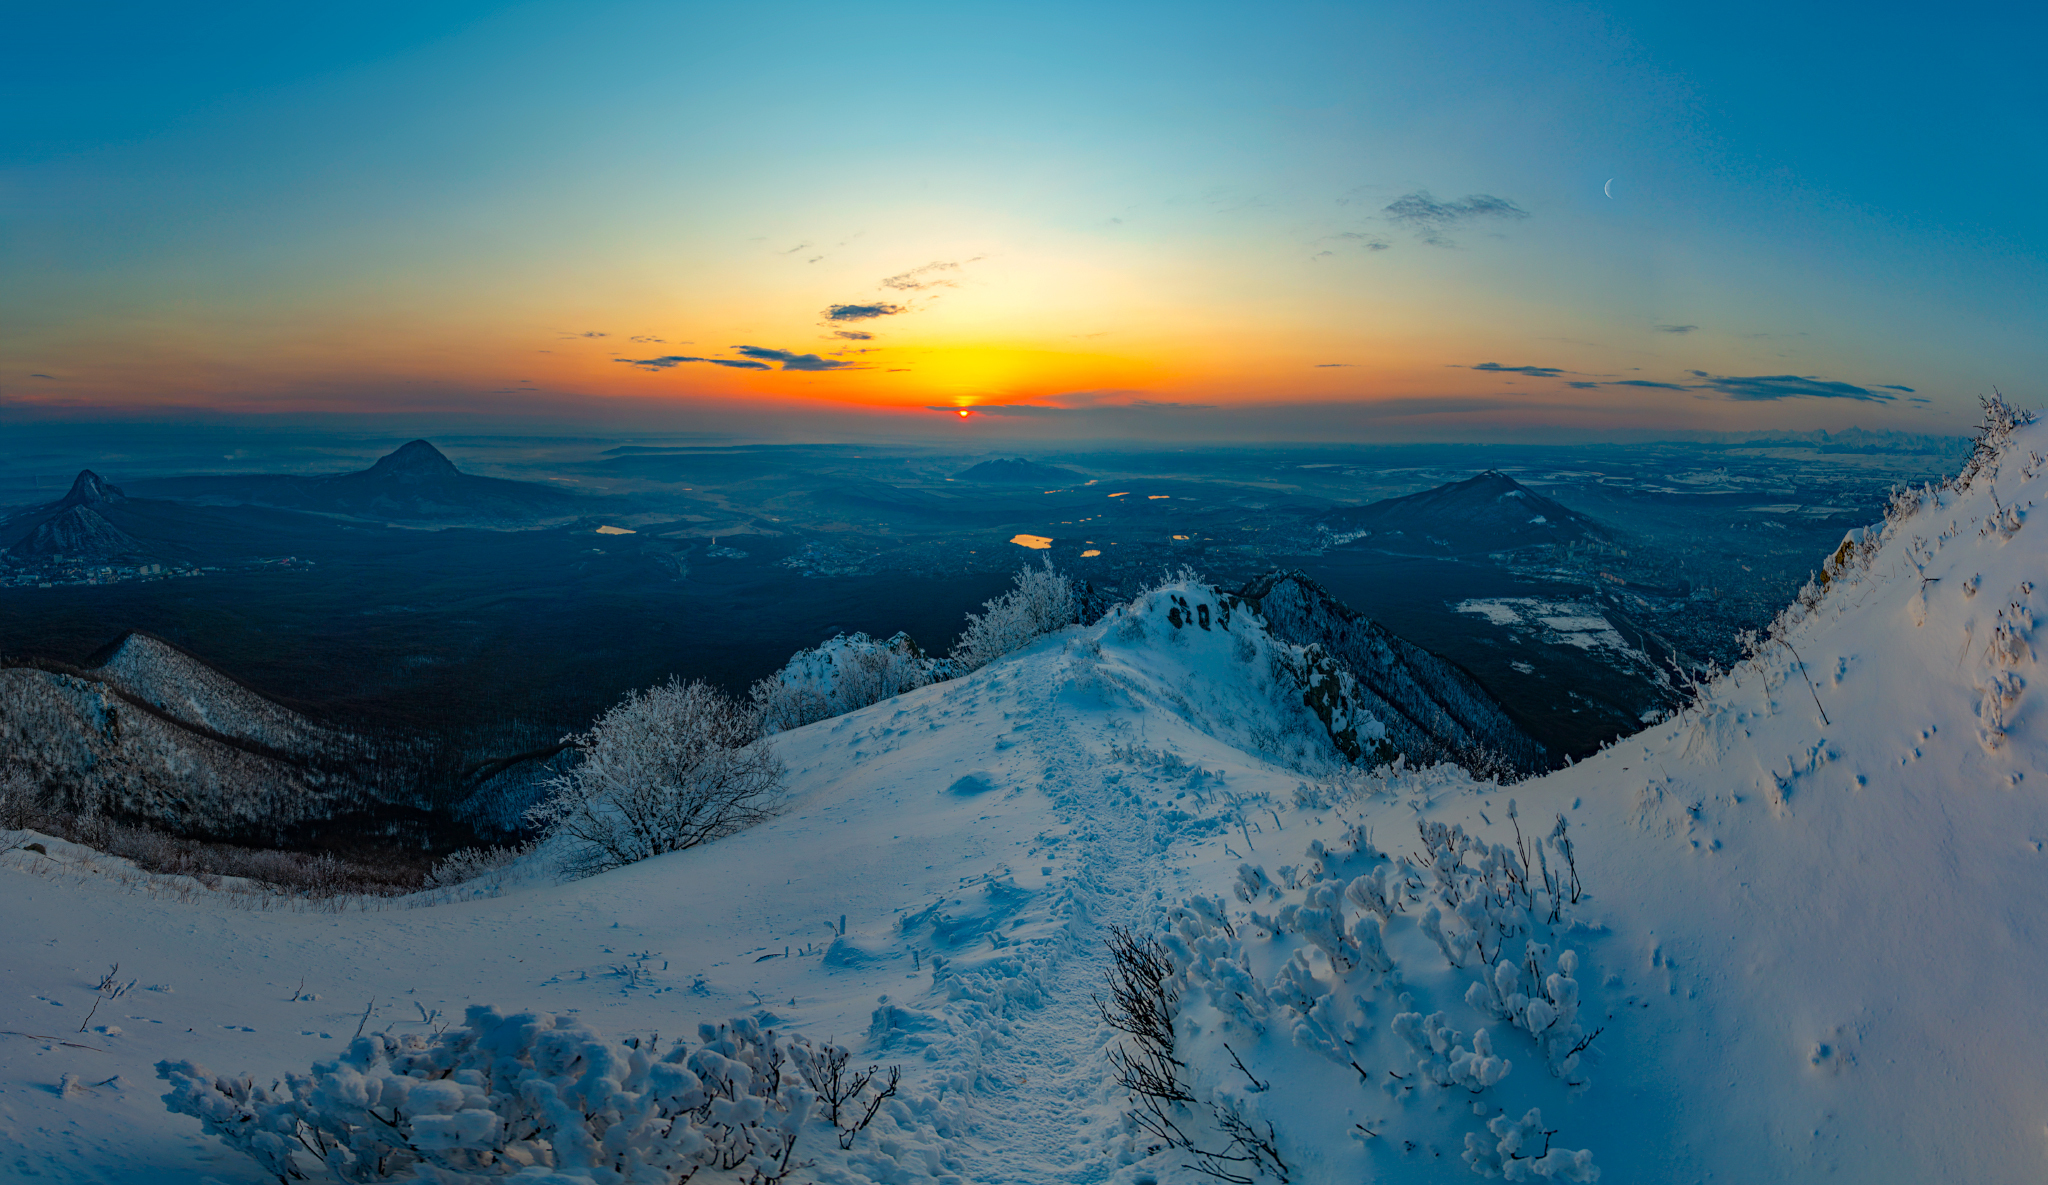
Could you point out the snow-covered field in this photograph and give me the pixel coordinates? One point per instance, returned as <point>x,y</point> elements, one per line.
<point>1808,941</point>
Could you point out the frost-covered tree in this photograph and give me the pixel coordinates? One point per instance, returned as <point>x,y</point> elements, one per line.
<point>1042,602</point>
<point>850,671</point>
<point>665,769</point>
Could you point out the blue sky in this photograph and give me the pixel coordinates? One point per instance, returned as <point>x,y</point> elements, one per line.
<point>1137,219</point>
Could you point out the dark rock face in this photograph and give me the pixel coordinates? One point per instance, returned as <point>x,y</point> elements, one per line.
<point>1018,471</point>
<point>1490,512</point>
<point>77,533</point>
<point>90,489</point>
<point>1432,710</point>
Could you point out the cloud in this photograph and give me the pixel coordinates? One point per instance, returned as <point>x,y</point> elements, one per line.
<point>862,312</point>
<point>53,378</point>
<point>1762,387</point>
<point>1076,403</point>
<point>644,339</point>
<point>1429,218</point>
<point>1917,399</point>
<point>791,360</point>
<point>1332,365</point>
<point>1674,328</point>
<point>1042,410</point>
<point>918,279</point>
<point>1892,387</point>
<point>1653,386</point>
<point>1005,409</point>
<point>1536,372</point>
<point>676,359</point>
<point>853,335</point>
<point>589,333</point>
<point>1583,386</point>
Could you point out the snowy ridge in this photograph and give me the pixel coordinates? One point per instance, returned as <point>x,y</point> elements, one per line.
<point>150,733</point>
<point>1786,934</point>
<point>97,753</point>
<point>189,690</point>
<point>1432,710</point>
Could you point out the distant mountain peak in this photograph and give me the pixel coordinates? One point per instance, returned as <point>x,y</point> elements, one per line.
<point>90,489</point>
<point>1017,471</point>
<point>414,460</point>
<point>1489,511</point>
<point>76,533</point>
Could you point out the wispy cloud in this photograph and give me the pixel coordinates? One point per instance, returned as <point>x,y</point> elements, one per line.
<point>1333,365</point>
<point>1765,387</point>
<point>1068,408</point>
<point>853,335</point>
<point>1431,219</point>
<point>643,339</point>
<point>1538,372</point>
<point>1892,387</point>
<point>790,359</point>
<point>677,359</point>
<point>1651,385</point>
<point>53,378</point>
<point>917,279</point>
<point>1583,386</point>
<point>1674,328</point>
<point>862,312</point>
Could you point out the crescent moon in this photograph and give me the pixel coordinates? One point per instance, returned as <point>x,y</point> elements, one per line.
<point>1608,188</point>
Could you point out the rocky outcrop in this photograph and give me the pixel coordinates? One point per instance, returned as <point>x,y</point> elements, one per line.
<point>1433,711</point>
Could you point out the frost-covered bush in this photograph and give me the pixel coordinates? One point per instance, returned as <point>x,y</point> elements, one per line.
<point>1540,1001</point>
<point>1513,1152</point>
<point>850,671</point>
<point>1439,1057</point>
<point>1042,602</point>
<point>540,1098</point>
<point>1993,436</point>
<point>1310,979</point>
<point>666,769</point>
<point>479,872</point>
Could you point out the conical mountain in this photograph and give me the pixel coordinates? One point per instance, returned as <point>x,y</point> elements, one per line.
<point>77,533</point>
<point>1490,512</point>
<point>415,482</point>
<point>413,462</point>
<point>90,489</point>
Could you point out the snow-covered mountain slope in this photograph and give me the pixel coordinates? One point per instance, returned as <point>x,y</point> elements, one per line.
<point>1806,943</point>
<point>1433,711</point>
<point>190,690</point>
<point>150,733</point>
<point>93,751</point>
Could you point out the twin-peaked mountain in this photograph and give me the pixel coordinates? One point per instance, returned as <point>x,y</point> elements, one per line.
<point>1490,512</point>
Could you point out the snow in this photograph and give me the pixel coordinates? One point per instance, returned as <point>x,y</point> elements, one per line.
<point>1560,623</point>
<point>1809,935</point>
